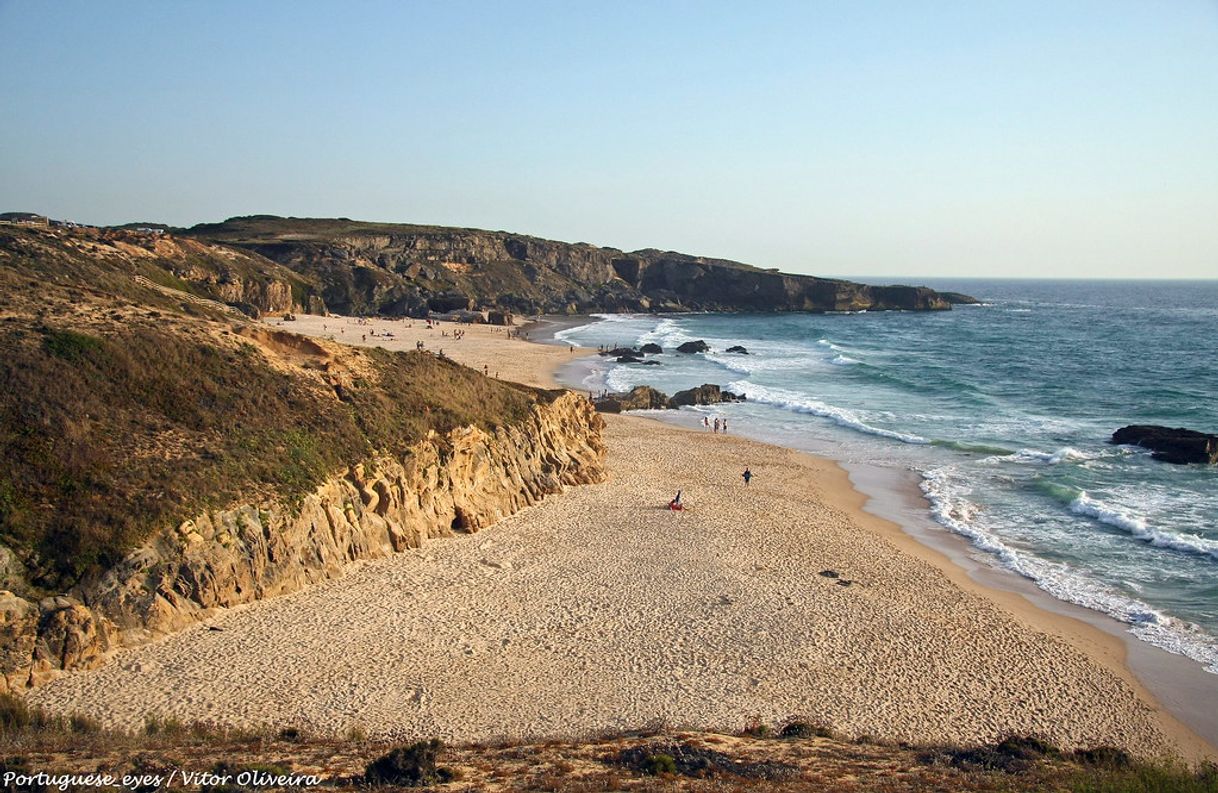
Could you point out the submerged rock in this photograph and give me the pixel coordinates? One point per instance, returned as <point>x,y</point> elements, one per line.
<point>1179,445</point>
<point>737,349</point>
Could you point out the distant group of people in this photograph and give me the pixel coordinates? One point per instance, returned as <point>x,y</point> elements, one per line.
<point>718,424</point>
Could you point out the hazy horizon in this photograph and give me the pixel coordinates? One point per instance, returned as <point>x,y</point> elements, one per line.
<point>921,140</point>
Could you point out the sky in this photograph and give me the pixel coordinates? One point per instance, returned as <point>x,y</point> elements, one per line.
<point>1063,138</point>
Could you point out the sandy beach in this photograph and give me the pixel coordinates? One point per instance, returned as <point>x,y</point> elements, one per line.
<point>600,610</point>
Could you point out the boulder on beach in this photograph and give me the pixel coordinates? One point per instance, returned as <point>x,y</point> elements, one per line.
<point>619,351</point>
<point>737,349</point>
<point>693,346</point>
<point>1178,445</point>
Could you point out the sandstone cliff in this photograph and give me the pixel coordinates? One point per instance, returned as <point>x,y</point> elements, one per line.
<point>408,269</point>
<point>462,481</point>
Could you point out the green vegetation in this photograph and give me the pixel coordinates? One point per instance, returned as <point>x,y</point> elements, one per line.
<point>17,718</point>
<point>71,346</point>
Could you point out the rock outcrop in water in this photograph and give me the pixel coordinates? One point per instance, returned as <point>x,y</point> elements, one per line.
<point>1179,445</point>
<point>461,482</point>
<point>644,397</point>
<point>407,269</point>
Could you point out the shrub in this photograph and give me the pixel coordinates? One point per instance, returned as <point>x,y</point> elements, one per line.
<point>413,766</point>
<point>803,729</point>
<point>657,764</point>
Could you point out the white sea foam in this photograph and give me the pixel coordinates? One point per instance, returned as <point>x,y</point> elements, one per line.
<point>667,333</point>
<point>947,493</point>
<point>1062,455</point>
<point>843,360</point>
<point>1138,527</point>
<point>799,403</point>
<point>621,378</point>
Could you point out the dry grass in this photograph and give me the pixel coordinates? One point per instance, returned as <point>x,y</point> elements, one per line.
<point>606,763</point>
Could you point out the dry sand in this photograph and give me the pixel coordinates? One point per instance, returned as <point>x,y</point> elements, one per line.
<point>489,346</point>
<point>600,610</point>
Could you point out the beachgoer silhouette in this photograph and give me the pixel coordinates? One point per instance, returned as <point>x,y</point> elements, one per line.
<point>676,504</point>
<point>747,475</point>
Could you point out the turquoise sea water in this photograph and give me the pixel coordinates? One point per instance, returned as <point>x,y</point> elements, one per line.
<point>1004,411</point>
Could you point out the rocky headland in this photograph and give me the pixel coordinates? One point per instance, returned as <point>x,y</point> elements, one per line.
<point>396,269</point>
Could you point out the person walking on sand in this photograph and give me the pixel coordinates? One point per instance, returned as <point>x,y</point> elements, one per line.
<point>747,475</point>
<point>716,425</point>
<point>725,426</point>
<point>706,422</point>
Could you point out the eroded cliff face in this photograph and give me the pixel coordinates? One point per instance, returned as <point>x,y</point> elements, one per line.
<point>463,481</point>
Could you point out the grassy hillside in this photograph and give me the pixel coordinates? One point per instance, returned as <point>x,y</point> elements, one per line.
<point>125,408</point>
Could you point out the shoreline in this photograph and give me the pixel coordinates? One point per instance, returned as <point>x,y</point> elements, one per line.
<point>1176,687</point>
<point>600,609</point>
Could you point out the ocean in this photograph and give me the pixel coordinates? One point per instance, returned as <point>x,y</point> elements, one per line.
<point>1003,411</point>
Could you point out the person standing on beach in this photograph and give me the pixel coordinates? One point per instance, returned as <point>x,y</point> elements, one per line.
<point>706,422</point>
<point>716,425</point>
<point>725,426</point>
<point>747,475</point>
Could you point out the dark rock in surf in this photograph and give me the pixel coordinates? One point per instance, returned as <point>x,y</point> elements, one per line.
<point>737,349</point>
<point>642,397</point>
<point>1179,446</point>
<point>693,346</point>
<point>651,349</point>
<point>705,394</point>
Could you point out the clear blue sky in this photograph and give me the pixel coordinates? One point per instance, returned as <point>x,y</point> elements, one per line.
<point>1034,138</point>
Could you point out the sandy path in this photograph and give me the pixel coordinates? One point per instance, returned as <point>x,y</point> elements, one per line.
<point>513,359</point>
<point>599,610</point>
